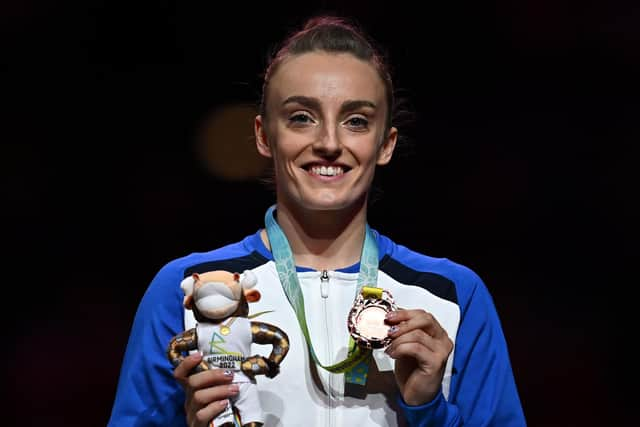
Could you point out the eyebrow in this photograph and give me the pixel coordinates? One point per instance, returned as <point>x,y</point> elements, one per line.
<point>313,103</point>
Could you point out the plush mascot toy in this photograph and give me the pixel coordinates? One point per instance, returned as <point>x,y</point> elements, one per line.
<point>224,333</point>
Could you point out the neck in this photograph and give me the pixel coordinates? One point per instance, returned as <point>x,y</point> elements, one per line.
<point>325,240</point>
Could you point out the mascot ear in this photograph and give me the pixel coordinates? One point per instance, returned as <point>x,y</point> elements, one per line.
<point>252,295</point>
<point>187,287</point>
<point>187,284</point>
<point>248,279</point>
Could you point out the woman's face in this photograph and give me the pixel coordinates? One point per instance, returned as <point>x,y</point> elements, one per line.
<point>325,130</point>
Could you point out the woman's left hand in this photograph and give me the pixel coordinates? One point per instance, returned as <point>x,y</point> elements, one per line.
<point>420,347</point>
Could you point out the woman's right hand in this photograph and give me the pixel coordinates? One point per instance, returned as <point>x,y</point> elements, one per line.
<point>207,393</point>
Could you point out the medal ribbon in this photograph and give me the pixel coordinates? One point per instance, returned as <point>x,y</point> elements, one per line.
<point>355,366</point>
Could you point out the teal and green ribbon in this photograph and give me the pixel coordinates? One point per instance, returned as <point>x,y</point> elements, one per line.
<point>356,365</point>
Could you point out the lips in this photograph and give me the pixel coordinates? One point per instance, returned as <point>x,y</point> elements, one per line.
<point>326,169</point>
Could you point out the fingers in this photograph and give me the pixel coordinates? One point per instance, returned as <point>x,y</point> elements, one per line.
<point>404,321</point>
<point>206,396</point>
<point>207,393</point>
<point>418,334</point>
<point>207,403</point>
<point>211,378</point>
<point>204,416</point>
<point>181,373</point>
<point>421,346</point>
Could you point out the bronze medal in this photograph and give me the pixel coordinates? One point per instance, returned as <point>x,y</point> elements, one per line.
<point>366,320</point>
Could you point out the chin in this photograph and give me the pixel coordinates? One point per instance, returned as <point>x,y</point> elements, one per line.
<point>318,200</point>
<point>323,205</point>
<point>332,202</point>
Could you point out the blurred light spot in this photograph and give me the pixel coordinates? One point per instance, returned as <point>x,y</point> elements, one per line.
<point>226,144</point>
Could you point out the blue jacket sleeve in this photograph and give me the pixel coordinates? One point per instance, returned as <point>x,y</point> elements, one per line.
<point>483,391</point>
<point>147,394</point>
<point>435,413</point>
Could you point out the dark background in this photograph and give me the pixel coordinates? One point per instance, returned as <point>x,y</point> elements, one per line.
<point>521,164</point>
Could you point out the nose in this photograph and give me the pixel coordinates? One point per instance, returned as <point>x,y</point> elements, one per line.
<point>328,142</point>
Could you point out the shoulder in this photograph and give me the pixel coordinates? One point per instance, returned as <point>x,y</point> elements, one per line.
<point>442,276</point>
<point>245,254</point>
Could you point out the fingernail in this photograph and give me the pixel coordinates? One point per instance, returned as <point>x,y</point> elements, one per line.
<point>390,315</point>
<point>228,373</point>
<point>224,403</point>
<point>234,388</point>
<point>393,329</point>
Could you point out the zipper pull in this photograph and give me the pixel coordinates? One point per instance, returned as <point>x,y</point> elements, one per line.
<point>324,284</point>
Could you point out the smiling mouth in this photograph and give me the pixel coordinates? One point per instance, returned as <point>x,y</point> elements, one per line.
<point>322,170</point>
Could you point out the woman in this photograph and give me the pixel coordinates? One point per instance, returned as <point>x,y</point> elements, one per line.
<point>326,123</point>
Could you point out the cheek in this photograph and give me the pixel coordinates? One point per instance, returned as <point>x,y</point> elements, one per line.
<point>367,152</point>
<point>285,155</point>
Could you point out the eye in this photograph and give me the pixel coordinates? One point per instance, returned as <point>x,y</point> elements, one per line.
<point>357,123</point>
<point>300,119</point>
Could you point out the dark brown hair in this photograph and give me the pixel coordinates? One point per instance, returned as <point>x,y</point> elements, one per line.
<point>335,35</point>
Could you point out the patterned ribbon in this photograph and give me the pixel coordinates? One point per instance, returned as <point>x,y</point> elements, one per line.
<point>356,365</point>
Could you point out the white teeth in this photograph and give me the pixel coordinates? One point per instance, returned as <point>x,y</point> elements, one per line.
<point>327,170</point>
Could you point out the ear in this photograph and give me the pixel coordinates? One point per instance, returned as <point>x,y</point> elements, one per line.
<point>262,143</point>
<point>388,145</point>
<point>252,295</point>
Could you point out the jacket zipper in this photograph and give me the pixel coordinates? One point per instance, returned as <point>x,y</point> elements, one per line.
<point>324,292</point>
<point>324,284</point>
